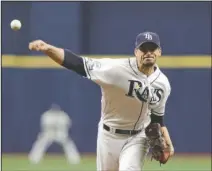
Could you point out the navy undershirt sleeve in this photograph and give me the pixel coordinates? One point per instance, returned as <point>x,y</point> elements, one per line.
<point>73,62</point>
<point>157,119</point>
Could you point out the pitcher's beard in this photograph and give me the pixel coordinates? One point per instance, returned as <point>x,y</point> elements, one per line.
<point>149,64</point>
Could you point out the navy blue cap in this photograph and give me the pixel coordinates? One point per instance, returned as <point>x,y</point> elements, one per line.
<point>147,37</point>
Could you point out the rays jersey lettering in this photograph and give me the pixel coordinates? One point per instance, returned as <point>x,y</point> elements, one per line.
<point>157,96</point>
<point>144,93</point>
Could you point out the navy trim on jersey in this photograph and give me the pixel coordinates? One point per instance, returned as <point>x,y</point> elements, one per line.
<point>139,116</point>
<point>132,67</point>
<point>155,78</point>
<point>152,111</point>
<point>87,68</point>
<point>73,62</point>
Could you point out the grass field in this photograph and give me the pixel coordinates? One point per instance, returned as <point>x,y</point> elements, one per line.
<point>59,163</point>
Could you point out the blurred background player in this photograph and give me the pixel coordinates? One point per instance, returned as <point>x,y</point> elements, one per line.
<point>55,125</point>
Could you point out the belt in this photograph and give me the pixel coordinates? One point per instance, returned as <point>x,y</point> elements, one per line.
<point>121,131</point>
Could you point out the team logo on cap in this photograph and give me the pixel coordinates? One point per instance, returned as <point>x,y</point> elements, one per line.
<point>148,36</point>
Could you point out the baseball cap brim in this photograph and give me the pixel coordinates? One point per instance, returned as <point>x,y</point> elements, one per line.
<point>148,42</point>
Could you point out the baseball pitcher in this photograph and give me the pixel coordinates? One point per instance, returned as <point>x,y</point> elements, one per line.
<point>134,96</point>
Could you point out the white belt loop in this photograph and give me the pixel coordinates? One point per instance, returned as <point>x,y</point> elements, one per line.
<point>112,130</point>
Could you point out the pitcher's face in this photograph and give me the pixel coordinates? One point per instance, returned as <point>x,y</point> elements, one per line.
<point>147,54</point>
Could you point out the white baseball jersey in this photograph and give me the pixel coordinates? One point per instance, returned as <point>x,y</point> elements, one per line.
<point>122,106</point>
<point>55,120</point>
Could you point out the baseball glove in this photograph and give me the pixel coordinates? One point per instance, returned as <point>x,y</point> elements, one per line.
<point>159,149</point>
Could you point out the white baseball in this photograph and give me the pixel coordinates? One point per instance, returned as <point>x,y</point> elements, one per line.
<point>15,24</point>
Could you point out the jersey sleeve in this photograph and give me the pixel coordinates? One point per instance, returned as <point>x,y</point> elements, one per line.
<point>99,70</point>
<point>159,109</point>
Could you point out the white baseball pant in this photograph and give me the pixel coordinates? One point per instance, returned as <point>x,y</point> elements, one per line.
<point>117,152</point>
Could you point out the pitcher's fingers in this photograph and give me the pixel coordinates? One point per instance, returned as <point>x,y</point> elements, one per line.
<point>37,47</point>
<point>30,46</point>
